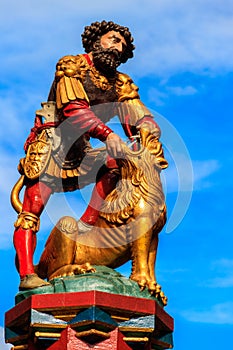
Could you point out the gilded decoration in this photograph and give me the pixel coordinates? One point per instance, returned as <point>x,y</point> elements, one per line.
<point>71,73</point>
<point>27,221</point>
<point>126,89</point>
<point>38,155</point>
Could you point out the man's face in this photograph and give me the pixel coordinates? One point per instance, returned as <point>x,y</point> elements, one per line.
<point>107,52</point>
<point>113,40</point>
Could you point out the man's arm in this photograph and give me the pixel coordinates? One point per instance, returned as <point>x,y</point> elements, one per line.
<point>131,110</point>
<point>84,120</point>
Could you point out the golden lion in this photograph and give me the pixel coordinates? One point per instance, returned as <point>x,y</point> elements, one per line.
<point>127,228</point>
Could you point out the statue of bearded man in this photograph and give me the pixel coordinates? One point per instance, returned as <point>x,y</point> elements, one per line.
<point>88,90</point>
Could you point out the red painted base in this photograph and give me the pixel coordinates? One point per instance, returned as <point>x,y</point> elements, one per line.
<point>88,320</point>
<point>69,340</point>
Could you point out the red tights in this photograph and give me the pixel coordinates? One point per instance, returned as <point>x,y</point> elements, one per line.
<point>35,198</point>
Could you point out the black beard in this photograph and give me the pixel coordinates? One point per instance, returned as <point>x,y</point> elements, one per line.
<point>106,60</point>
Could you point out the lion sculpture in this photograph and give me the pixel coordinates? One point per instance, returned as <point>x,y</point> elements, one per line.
<point>129,222</point>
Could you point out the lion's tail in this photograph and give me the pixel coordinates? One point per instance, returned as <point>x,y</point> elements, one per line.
<point>15,201</point>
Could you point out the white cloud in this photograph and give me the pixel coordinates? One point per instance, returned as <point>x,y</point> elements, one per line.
<point>226,264</point>
<point>17,106</point>
<point>193,36</point>
<point>217,314</point>
<point>182,91</point>
<point>202,172</point>
<point>157,96</point>
<point>3,345</point>
<point>8,177</point>
<point>223,274</point>
<point>221,282</point>
<point>161,95</point>
<point>179,179</point>
<point>176,275</point>
<point>170,36</point>
<point>178,176</point>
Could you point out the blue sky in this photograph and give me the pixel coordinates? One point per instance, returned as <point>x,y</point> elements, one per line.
<point>184,68</point>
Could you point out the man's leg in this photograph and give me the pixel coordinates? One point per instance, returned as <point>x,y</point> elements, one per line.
<point>35,197</point>
<point>104,185</point>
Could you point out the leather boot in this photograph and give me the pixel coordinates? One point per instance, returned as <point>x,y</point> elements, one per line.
<point>24,242</point>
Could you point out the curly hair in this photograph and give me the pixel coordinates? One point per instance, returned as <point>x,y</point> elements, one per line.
<point>93,32</point>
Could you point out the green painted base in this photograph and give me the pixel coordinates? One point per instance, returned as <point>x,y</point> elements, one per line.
<point>104,280</point>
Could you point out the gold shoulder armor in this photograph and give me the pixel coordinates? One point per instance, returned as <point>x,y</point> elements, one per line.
<point>69,74</point>
<point>125,87</point>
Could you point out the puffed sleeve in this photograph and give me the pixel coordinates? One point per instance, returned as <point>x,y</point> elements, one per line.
<point>130,108</point>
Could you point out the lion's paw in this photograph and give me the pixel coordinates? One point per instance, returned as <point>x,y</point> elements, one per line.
<point>84,268</point>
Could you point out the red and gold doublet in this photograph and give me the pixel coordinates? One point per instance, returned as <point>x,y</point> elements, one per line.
<point>85,100</point>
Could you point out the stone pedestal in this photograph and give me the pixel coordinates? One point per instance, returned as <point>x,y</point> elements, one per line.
<point>101,310</point>
<point>88,320</point>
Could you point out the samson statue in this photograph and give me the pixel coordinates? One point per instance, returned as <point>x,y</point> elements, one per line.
<point>88,90</point>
